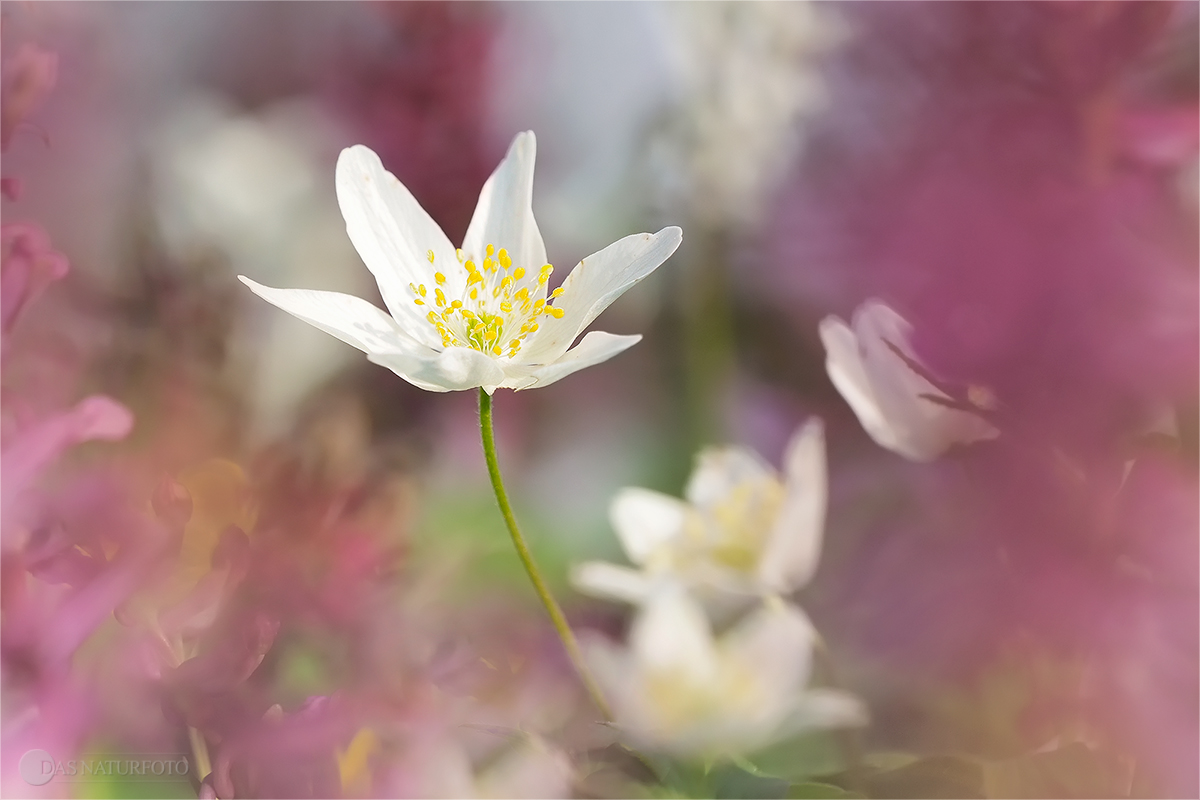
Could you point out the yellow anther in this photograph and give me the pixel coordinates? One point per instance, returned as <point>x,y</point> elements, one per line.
<point>441,298</point>
<point>470,265</point>
<point>419,301</point>
<point>489,265</point>
<point>519,273</point>
<point>456,304</point>
<point>538,306</point>
<point>440,278</point>
<point>522,293</point>
<point>467,314</point>
<point>459,255</point>
<point>432,317</point>
<point>505,261</point>
<point>514,344</point>
<point>491,250</point>
<point>496,292</point>
<point>429,255</point>
<point>558,292</point>
<point>557,313</point>
<point>474,294</point>
<point>546,269</point>
<point>496,350</point>
<point>474,277</point>
<point>533,327</point>
<point>506,284</point>
<point>421,290</point>
<point>506,307</point>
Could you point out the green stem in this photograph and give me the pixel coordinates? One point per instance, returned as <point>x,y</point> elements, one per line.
<point>539,584</point>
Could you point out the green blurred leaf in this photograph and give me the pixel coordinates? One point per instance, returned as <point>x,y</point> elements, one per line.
<point>801,757</point>
<point>930,777</point>
<point>814,790</point>
<point>732,781</point>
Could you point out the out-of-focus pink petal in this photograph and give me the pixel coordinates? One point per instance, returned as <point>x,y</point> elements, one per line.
<point>27,76</point>
<point>29,264</point>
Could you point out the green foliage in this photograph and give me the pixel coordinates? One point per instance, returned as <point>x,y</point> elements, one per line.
<point>800,758</point>
<point>815,790</point>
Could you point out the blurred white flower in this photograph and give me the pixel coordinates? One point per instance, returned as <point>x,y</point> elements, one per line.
<point>481,315</point>
<point>746,79</point>
<point>246,188</point>
<point>436,764</point>
<point>743,530</point>
<point>677,689</point>
<point>875,370</point>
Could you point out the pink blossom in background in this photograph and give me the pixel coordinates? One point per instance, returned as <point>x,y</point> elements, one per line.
<point>1002,181</point>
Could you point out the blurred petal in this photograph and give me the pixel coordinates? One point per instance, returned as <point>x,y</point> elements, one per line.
<point>720,469</point>
<point>774,643</point>
<point>794,547</point>
<point>824,708</point>
<point>504,215</point>
<point>844,364</point>
<point>612,582</point>
<point>672,636</point>
<point>644,520</point>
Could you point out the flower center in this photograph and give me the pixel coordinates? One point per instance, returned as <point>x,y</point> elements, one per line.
<point>498,308</point>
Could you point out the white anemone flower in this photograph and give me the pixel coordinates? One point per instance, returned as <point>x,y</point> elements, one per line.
<point>480,315</point>
<point>680,690</point>
<point>873,366</point>
<point>743,529</point>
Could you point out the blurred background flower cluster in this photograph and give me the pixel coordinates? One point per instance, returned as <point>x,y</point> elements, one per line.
<point>227,535</point>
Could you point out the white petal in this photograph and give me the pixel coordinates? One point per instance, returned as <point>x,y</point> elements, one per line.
<point>844,363</point>
<point>612,582</point>
<point>504,215</point>
<point>351,319</point>
<point>393,235</point>
<point>645,520</point>
<point>595,283</point>
<point>720,469</point>
<point>897,387</point>
<point>794,546</point>
<point>531,770</point>
<point>595,348</point>
<point>922,429</point>
<point>775,643</point>
<point>451,370</point>
<point>671,635</point>
<point>824,708</point>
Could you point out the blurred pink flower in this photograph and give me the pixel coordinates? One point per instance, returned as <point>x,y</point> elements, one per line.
<point>28,76</point>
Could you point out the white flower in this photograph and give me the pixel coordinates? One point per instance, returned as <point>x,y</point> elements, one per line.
<point>746,77</point>
<point>743,529</point>
<point>678,689</point>
<point>480,315</point>
<point>896,404</point>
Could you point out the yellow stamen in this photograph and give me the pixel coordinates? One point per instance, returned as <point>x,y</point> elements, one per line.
<point>429,255</point>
